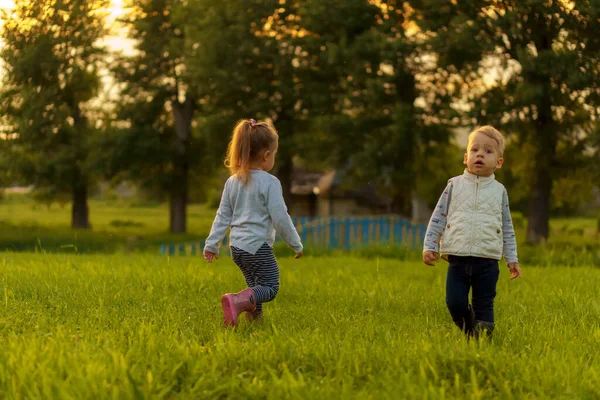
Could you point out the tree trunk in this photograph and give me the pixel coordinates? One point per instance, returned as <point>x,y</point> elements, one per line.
<point>403,161</point>
<point>182,114</point>
<point>80,218</point>
<point>178,206</point>
<point>541,188</point>
<point>539,206</point>
<point>80,212</point>
<point>545,140</point>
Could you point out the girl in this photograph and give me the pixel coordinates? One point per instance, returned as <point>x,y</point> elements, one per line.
<point>252,205</point>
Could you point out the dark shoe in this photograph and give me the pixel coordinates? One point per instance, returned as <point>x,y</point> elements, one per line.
<point>483,328</point>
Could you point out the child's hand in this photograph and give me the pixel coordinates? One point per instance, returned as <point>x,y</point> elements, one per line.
<point>208,256</point>
<point>515,270</point>
<point>430,257</point>
<point>298,255</point>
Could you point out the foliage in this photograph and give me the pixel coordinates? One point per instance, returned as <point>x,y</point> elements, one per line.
<point>368,87</point>
<point>253,71</point>
<point>328,80</point>
<point>51,60</point>
<point>436,164</point>
<point>530,68</point>
<point>375,132</point>
<point>153,138</point>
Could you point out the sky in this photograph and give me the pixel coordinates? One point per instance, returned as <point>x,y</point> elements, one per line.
<point>6,3</point>
<point>116,8</point>
<point>115,42</point>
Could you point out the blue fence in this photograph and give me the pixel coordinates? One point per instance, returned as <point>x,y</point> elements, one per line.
<point>336,233</point>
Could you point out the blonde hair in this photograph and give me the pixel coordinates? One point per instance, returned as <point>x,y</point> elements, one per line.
<point>492,133</point>
<point>248,143</point>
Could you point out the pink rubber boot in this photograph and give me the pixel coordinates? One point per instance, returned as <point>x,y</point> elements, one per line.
<point>235,303</point>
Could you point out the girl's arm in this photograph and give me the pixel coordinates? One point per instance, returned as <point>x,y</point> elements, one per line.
<point>221,223</point>
<point>281,220</point>
<point>510,241</point>
<point>436,225</point>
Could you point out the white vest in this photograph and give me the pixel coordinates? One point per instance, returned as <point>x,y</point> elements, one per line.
<point>474,221</point>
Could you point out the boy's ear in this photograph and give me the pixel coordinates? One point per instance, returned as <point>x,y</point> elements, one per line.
<point>499,163</point>
<point>465,159</point>
<point>266,154</point>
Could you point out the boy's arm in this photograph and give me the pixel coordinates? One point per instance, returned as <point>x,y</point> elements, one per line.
<point>221,223</point>
<point>509,249</point>
<point>281,220</point>
<point>437,222</point>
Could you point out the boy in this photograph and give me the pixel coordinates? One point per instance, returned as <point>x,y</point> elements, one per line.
<point>473,228</point>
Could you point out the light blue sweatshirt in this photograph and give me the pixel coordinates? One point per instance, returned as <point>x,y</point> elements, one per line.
<point>254,211</point>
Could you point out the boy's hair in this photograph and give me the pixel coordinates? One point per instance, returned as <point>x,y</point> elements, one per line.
<point>492,133</point>
<point>248,143</point>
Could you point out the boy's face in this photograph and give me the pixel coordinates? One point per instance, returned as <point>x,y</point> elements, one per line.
<point>482,156</point>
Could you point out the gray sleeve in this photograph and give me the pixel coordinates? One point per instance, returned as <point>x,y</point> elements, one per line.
<point>509,249</point>
<point>281,220</point>
<point>221,223</point>
<point>437,223</point>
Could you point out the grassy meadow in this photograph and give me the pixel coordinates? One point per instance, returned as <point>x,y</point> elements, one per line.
<point>116,226</point>
<point>124,227</point>
<point>142,326</point>
<point>100,314</point>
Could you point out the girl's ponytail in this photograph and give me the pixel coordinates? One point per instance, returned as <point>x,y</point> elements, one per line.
<point>249,142</point>
<point>238,152</point>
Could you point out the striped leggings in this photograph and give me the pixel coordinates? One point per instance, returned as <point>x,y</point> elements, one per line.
<point>261,272</point>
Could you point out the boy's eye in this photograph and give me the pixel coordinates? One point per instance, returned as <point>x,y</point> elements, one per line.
<point>489,151</point>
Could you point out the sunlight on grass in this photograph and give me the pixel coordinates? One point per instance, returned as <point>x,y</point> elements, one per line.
<point>148,326</point>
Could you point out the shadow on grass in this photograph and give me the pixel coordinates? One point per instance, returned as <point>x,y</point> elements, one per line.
<point>31,237</point>
<point>564,251</point>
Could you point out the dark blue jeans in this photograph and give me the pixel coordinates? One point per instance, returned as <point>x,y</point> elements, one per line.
<point>464,273</point>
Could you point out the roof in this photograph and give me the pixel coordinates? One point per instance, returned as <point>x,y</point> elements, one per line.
<point>307,182</point>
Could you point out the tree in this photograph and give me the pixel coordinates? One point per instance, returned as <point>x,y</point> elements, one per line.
<point>316,69</point>
<point>530,68</point>
<point>377,128</point>
<point>51,60</point>
<point>248,72</point>
<point>155,144</point>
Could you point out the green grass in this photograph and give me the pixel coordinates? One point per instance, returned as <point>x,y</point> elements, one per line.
<point>125,227</point>
<point>117,226</point>
<point>142,326</point>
